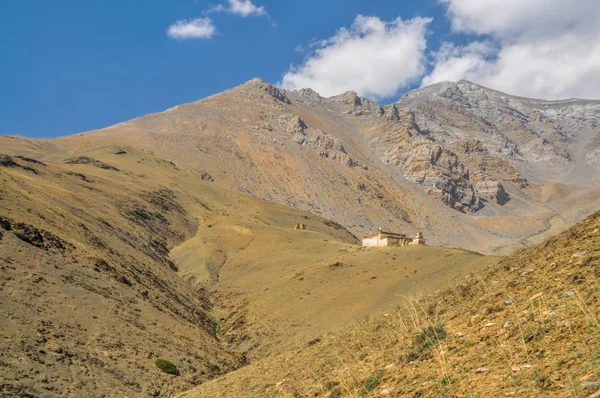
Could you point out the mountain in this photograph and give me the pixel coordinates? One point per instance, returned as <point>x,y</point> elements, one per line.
<point>172,237</point>
<point>462,163</point>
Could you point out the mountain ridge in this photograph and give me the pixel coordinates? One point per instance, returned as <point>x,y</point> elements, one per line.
<point>256,139</point>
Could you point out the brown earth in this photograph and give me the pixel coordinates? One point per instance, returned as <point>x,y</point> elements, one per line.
<point>113,258</point>
<point>528,327</point>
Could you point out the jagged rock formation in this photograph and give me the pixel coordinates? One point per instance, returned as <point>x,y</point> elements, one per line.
<point>328,146</point>
<point>426,163</point>
<point>514,128</point>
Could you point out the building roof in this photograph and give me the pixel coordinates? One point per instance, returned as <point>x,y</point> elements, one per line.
<point>386,234</point>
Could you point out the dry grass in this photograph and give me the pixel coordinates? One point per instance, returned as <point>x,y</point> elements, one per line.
<point>526,327</point>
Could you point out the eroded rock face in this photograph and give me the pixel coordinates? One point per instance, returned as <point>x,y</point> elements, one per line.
<point>441,173</point>
<point>426,163</point>
<point>492,190</point>
<point>328,146</point>
<point>593,148</point>
<point>277,93</point>
<point>463,142</point>
<point>514,128</point>
<point>269,89</point>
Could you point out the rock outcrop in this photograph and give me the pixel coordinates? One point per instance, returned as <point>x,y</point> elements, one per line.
<point>328,146</point>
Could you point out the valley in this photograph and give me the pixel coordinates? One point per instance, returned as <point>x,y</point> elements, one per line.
<point>114,258</point>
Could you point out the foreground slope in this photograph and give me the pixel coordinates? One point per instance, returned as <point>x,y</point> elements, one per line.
<point>462,163</point>
<point>528,326</point>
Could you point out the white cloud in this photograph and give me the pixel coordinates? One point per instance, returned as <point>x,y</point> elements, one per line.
<point>199,28</point>
<point>373,57</point>
<point>522,18</point>
<point>453,63</point>
<point>537,48</point>
<point>245,8</point>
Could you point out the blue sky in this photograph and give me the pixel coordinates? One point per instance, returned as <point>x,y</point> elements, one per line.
<point>73,66</point>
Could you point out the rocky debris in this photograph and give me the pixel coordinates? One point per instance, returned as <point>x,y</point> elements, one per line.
<point>164,199</point>
<point>207,177</point>
<point>293,124</point>
<point>328,146</point>
<point>349,103</point>
<point>30,160</point>
<point>487,170</point>
<point>101,265</point>
<point>271,90</point>
<point>90,161</point>
<point>348,98</point>
<point>35,236</point>
<point>492,190</point>
<point>308,95</point>
<point>391,113</point>
<point>326,142</point>
<point>277,94</point>
<point>8,161</point>
<point>78,175</point>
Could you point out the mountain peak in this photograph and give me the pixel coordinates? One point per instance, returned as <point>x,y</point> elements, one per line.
<point>348,97</point>
<point>255,80</point>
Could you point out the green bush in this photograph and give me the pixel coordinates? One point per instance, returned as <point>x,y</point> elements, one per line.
<point>371,383</point>
<point>424,341</point>
<point>166,366</point>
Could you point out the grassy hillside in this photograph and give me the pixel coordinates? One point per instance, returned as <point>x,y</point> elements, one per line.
<point>89,294</point>
<point>123,275</point>
<point>528,326</point>
<point>280,294</point>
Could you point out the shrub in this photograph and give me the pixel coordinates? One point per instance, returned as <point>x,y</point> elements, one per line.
<point>424,340</point>
<point>336,392</point>
<point>371,383</point>
<point>166,366</point>
<point>448,380</point>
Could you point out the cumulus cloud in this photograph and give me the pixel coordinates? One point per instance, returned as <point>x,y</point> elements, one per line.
<point>373,57</point>
<point>537,48</point>
<point>522,18</point>
<point>199,28</point>
<point>245,8</point>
